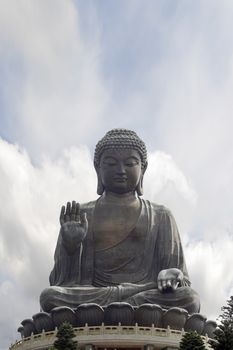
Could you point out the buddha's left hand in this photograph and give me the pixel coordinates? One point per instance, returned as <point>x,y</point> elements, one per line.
<point>169,279</point>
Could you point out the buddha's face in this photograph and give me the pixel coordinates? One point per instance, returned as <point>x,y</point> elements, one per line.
<point>120,170</point>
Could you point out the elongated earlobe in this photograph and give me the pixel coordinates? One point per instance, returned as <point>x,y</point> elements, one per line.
<point>100,186</point>
<point>139,188</point>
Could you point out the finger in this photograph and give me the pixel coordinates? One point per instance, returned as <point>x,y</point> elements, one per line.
<point>175,284</point>
<point>62,219</point>
<point>84,221</point>
<point>67,213</point>
<point>160,286</point>
<point>169,283</point>
<point>73,210</point>
<point>77,212</point>
<point>164,284</point>
<point>180,276</point>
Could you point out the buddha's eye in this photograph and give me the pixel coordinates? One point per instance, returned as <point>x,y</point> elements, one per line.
<point>110,161</point>
<point>131,162</point>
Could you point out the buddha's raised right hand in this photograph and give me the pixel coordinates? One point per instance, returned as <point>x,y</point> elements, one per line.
<point>74,226</point>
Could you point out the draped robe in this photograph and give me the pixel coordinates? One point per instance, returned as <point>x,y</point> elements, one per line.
<point>127,271</point>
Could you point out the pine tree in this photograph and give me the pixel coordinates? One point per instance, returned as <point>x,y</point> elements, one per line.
<point>227,310</point>
<point>224,336</point>
<point>192,341</point>
<point>65,335</point>
<point>224,332</point>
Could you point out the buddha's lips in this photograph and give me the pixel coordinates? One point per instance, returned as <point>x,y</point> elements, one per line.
<point>120,179</point>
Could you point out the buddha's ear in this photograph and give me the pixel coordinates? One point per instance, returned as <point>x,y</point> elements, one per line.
<point>100,186</point>
<point>139,188</point>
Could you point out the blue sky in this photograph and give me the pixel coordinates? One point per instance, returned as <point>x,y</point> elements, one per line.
<point>72,70</point>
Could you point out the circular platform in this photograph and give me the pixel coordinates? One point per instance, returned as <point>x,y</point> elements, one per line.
<point>111,337</point>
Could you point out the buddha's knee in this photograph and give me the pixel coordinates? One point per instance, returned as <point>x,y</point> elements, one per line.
<point>47,298</point>
<point>190,299</point>
<point>184,297</point>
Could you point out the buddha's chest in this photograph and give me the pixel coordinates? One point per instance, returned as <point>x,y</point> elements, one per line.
<point>113,223</point>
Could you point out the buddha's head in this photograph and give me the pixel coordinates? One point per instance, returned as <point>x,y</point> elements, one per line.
<point>120,161</point>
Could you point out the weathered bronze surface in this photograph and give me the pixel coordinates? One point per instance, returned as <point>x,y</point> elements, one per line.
<point>120,247</point>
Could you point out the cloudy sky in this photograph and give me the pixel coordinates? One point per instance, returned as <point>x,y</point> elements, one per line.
<point>72,70</point>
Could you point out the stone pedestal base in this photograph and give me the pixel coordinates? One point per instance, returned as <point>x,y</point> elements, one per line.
<point>93,315</point>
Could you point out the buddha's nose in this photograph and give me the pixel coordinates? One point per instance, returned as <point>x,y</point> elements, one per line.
<point>120,168</point>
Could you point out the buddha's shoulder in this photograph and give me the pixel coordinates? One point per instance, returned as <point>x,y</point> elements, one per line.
<point>158,209</point>
<point>89,206</point>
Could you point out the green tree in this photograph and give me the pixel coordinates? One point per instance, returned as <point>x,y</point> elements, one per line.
<point>224,331</point>
<point>227,310</point>
<point>65,335</point>
<point>224,336</point>
<point>192,341</point>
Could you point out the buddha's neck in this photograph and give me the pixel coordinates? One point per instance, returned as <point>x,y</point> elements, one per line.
<point>129,198</point>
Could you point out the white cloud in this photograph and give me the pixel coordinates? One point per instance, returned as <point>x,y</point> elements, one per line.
<point>57,89</point>
<point>30,197</point>
<point>209,266</point>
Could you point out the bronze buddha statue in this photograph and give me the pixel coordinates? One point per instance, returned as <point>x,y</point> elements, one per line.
<point>120,247</point>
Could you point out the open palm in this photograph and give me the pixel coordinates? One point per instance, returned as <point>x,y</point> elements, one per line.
<point>74,226</point>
